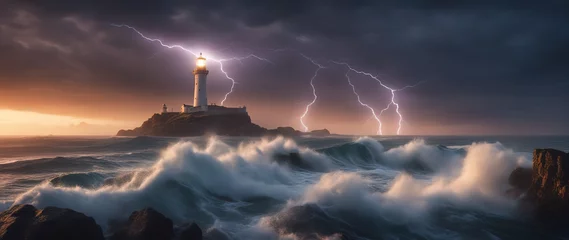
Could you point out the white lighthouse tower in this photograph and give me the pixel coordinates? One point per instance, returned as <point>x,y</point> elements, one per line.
<point>200,87</point>
<point>200,95</point>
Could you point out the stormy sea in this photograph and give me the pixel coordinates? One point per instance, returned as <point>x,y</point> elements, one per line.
<point>338,187</point>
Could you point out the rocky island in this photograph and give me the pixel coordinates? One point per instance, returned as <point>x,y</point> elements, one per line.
<point>202,118</point>
<point>217,120</point>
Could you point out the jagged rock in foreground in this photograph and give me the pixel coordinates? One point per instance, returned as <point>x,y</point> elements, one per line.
<point>191,232</point>
<point>146,224</point>
<point>549,190</point>
<point>26,222</point>
<point>521,178</point>
<point>202,123</point>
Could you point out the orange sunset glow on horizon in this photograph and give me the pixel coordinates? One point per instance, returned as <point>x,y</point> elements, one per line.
<point>15,122</point>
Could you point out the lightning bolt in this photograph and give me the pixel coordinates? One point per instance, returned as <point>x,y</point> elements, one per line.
<point>365,105</point>
<point>313,90</point>
<point>375,116</point>
<point>393,99</point>
<point>219,61</point>
<point>319,67</point>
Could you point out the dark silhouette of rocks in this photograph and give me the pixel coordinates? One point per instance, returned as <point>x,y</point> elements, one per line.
<point>196,124</point>
<point>521,178</point>
<point>27,222</point>
<point>283,131</point>
<point>320,132</point>
<point>191,232</point>
<point>309,221</point>
<point>146,224</point>
<point>202,123</point>
<point>549,190</point>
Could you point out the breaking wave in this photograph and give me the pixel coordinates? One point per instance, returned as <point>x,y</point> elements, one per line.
<point>276,189</point>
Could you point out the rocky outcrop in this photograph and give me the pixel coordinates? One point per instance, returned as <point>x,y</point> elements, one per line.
<point>191,232</point>
<point>283,131</point>
<point>146,224</point>
<point>549,190</point>
<point>27,222</point>
<point>196,124</point>
<point>521,178</point>
<point>202,123</point>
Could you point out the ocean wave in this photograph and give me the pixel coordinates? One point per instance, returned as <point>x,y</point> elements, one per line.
<point>188,176</point>
<point>352,154</point>
<point>410,208</point>
<point>82,180</point>
<point>57,164</point>
<point>276,189</point>
<point>416,156</point>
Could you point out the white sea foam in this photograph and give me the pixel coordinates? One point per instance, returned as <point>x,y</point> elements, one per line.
<point>187,177</point>
<point>242,173</point>
<point>479,185</point>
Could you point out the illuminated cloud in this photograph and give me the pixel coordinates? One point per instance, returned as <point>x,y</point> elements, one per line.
<point>491,66</point>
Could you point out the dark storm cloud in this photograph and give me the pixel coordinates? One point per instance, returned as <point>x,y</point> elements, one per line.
<point>494,63</point>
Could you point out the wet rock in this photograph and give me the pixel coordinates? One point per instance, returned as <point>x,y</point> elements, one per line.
<point>27,222</point>
<point>521,178</point>
<point>191,232</point>
<point>307,222</point>
<point>549,190</point>
<point>146,224</point>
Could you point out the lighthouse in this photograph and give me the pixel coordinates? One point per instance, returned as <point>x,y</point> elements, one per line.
<point>200,86</point>
<point>200,95</point>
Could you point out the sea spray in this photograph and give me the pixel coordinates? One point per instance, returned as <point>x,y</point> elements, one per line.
<point>353,190</point>
<point>185,175</point>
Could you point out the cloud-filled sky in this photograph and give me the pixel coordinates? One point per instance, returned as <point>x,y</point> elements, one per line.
<point>485,67</point>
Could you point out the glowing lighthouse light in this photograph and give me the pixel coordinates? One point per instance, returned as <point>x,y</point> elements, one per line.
<point>200,62</point>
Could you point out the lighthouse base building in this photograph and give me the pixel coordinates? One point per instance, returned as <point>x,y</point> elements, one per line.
<point>200,95</point>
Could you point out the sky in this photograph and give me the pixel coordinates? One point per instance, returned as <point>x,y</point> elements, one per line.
<point>483,67</point>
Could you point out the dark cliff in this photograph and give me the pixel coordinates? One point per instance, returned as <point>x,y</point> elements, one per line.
<point>549,189</point>
<point>199,124</point>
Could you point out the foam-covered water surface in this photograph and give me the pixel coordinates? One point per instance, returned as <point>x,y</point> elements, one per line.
<point>278,188</point>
